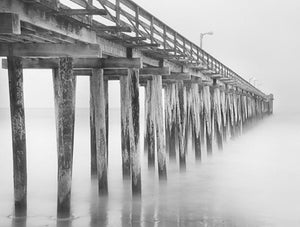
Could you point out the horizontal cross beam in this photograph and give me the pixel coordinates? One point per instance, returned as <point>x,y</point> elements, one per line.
<point>114,74</point>
<point>108,63</point>
<point>113,29</point>
<point>49,50</point>
<point>177,76</point>
<point>72,12</point>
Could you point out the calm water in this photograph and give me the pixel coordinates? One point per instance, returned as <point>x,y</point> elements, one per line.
<point>254,181</point>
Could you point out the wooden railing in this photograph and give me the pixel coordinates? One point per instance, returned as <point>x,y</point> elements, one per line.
<point>157,37</point>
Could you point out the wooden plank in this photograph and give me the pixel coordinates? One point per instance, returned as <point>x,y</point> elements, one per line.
<point>15,75</point>
<point>64,91</point>
<point>114,29</point>
<point>82,72</point>
<point>50,49</point>
<point>125,63</point>
<point>71,12</point>
<point>155,71</point>
<point>142,45</point>
<point>177,76</point>
<point>108,63</point>
<point>130,39</point>
<point>10,23</point>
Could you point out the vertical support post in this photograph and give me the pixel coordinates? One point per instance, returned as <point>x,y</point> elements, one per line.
<point>217,117</point>
<point>181,121</point>
<point>15,76</point>
<point>150,126</point>
<point>134,130</point>
<point>195,119</point>
<point>207,118</point>
<point>223,113</point>
<point>125,142</point>
<point>99,104</point>
<point>93,131</point>
<point>106,114</point>
<point>130,110</point>
<point>64,92</point>
<point>159,126</point>
<point>170,117</point>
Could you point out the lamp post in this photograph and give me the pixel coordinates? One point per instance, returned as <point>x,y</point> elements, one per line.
<point>202,35</point>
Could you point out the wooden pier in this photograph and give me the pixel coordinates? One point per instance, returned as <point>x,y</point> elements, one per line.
<point>187,91</point>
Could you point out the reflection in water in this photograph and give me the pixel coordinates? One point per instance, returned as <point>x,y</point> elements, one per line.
<point>20,216</point>
<point>255,181</point>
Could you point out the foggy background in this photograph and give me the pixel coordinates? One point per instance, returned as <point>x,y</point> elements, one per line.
<point>255,38</point>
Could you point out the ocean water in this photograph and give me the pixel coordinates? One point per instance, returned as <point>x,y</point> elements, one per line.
<point>254,181</point>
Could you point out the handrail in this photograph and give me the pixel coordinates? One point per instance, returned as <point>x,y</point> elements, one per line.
<point>144,24</point>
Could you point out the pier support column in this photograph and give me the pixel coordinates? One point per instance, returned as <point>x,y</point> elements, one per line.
<point>150,126</point>
<point>106,114</point>
<point>195,119</point>
<point>134,130</point>
<point>93,131</point>
<point>223,113</point>
<point>159,126</point>
<point>99,104</point>
<point>130,128</point>
<point>207,118</point>
<point>217,117</point>
<point>15,76</point>
<point>125,140</point>
<point>181,123</point>
<point>170,118</point>
<point>64,92</point>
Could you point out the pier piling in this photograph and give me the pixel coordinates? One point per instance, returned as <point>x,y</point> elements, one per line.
<point>15,75</point>
<point>64,92</point>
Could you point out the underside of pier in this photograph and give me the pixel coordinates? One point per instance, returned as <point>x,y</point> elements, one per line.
<point>187,91</point>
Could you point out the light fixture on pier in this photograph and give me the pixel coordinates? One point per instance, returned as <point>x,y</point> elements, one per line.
<point>202,35</point>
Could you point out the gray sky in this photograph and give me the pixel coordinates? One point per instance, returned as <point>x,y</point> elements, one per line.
<point>255,38</point>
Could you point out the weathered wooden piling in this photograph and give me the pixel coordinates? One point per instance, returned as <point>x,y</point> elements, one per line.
<point>130,126</point>
<point>230,100</point>
<point>217,116</point>
<point>125,140</point>
<point>99,106</point>
<point>159,125</point>
<point>134,130</point>
<point>223,112</point>
<point>106,114</point>
<point>150,123</point>
<point>15,75</point>
<point>195,119</point>
<point>239,114</point>
<point>171,117</point>
<point>208,118</point>
<point>181,122</point>
<point>64,92</point>
<point>93,131</point>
